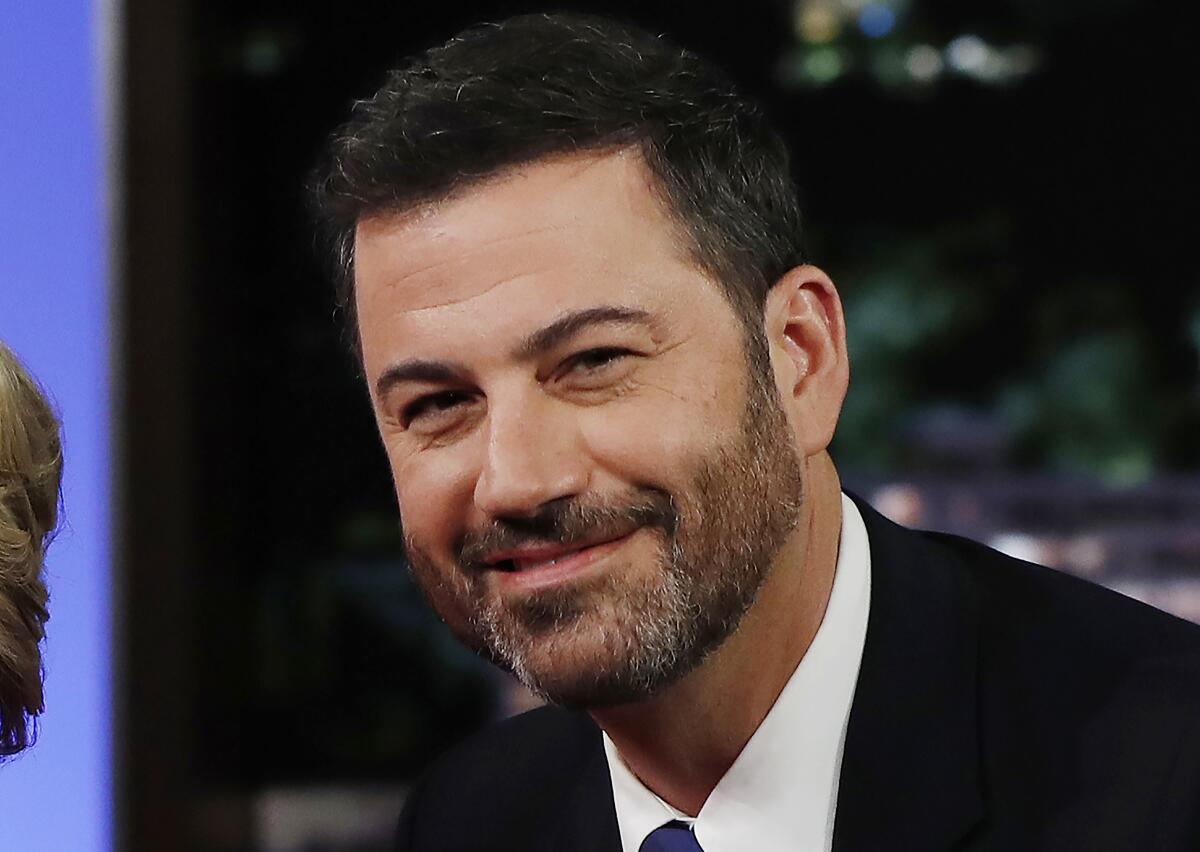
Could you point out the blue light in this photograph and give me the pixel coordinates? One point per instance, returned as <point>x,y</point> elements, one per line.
<point>876,20</point>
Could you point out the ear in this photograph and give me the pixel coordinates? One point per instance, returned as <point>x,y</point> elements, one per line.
<point>806,332</point>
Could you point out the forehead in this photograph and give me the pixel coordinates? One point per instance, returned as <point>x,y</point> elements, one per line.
<point>554,231</point>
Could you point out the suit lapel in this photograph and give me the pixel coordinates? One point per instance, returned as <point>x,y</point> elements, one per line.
<point>589,823</point>
<point>910,772</point>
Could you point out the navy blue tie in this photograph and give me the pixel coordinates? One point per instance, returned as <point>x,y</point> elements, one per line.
<point>672,837</point>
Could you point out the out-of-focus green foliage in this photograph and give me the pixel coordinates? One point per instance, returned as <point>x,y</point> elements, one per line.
<point>950,349</point>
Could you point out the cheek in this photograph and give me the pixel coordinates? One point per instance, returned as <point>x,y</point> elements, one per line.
<point>449,595</point>
<point>434,496</point>
<point>659,435</point>
<point>429,493</point>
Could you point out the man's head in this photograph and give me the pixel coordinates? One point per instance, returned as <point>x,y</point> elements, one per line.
<point>596,375</point>
<point>535,86</point>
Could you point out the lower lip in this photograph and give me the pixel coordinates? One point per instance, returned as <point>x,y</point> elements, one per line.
<point>579,564</point>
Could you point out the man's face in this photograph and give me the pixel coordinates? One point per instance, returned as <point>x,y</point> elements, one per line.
<point>593,482</point>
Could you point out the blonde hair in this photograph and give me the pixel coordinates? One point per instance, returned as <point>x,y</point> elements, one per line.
<point>30,486</point>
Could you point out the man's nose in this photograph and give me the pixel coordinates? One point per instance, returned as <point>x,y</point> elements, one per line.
<point>533,457</point>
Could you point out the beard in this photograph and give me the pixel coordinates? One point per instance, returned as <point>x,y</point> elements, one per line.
<point>625,634</point>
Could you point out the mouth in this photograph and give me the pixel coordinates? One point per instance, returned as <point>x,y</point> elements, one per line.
<point>534,567</point>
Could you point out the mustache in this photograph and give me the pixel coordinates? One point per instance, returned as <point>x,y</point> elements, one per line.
<point>570,520</point>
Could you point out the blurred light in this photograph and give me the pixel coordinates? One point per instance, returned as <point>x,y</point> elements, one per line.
<point>901,503</point>
<point>1021,546</point>
<point>262,55</point>
<point>790,69</point>
<point>924,63</point>
<point>1086,555</point>
<point>263,58</point>
<point>1022,59</point>
<point>967,54</point>
<point>890,67</point>
<point>824,65</point>
<point>807,67</point>
<point>876,20</point>
<point>817,21</point>
<point>971,56</point>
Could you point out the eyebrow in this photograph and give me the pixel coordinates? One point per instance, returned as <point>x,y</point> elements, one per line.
<point>537,343</point>
<point>434,372</point>
<point>569,325</point>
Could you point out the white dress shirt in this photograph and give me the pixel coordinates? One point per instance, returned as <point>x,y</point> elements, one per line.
<point>781,792</point>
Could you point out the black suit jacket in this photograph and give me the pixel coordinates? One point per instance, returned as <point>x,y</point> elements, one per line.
<point>1000,706</point>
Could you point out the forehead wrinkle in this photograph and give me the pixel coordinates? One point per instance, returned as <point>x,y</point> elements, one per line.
<point>454,271</point>
<point>432,217</point>
<point>475,295</point>
<point>632,251</point>
<point>468,252</point>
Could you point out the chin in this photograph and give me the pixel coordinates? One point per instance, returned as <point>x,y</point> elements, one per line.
<point>580,668</point>
<point>569,689</point>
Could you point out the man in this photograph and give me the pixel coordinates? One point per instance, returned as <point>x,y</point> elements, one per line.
<point>606,382</point>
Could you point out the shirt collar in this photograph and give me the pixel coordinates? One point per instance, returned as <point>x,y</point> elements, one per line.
<point>781,792</point>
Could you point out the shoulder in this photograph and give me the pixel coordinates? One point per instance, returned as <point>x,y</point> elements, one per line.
<point>543,742</point>
<point>1089,704</point>
<point>1046,645</point>
<point>500,785</point>
<point>1025,611</point>
<point>1055,616</point>
<point>1075,707</point>
<point>1067,663</point>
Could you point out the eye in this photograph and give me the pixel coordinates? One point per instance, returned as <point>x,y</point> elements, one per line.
<point>434,406</point>
<point>592,360</point>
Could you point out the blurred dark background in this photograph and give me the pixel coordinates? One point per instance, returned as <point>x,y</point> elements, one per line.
<point>1005,192</point>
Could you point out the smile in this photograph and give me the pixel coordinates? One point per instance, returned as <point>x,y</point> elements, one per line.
<point>543,566</point>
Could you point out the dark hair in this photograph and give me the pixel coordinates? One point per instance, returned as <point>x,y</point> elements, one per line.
<point>534,86</point>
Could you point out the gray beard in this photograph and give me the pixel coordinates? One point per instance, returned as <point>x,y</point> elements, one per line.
<point>738,512</point>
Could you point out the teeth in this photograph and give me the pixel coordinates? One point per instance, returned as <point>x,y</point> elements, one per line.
<point>526,565</point>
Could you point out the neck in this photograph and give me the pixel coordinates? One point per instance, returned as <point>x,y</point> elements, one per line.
<point>683,739</point>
